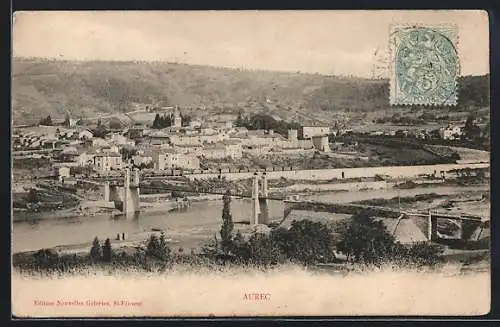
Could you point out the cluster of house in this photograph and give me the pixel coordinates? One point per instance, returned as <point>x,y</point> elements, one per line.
<point>174,147</point>
<point>184,149</point>
<point>449,132</point>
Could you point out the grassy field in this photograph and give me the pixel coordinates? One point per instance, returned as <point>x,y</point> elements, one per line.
<point>392,155</point>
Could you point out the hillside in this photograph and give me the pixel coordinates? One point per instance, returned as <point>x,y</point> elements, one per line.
<point>42,87</point>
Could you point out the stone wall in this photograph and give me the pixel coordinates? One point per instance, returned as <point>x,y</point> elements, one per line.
<point>327,174</point>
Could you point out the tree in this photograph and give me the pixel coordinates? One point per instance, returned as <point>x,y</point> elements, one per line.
<point>46,258</point>
<point>153,244</point>
<point>115,124</point>
<point>240,248</point>
<point>227,224</point>
<point>67,120</point>
<point>96,251</point>
<point>262,249</point>
<point>211,248</point>
<point>164,249</point>
<point>424,254</point>
<point>100,131</point>
<point>47,121</point>
<point>240,121</point>
<point>471,131</point>
<point>186,120</point>
<point>158,247</point>
<point>306,242</point>
<point>127,153</point>
<point>107,251</point>
<point>167,121</point>
<point>364,239</point>
<point>156,122</point>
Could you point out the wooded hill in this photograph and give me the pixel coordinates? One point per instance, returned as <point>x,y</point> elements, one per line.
<point>43,87</point>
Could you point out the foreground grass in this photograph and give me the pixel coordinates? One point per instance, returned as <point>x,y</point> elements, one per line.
<point>292,290</point>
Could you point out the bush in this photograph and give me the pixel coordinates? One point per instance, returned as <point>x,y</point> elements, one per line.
<point>158,247</point>
<point>305,242</point>
<point>263,250</point>
<point>47,121</point>
<point>210,249</point>
<point>46,258</point>
<point>240,248</point>
<point>107,252</point>
<point>424,254</point>
<point>95,251</point>
<point>363,239</point>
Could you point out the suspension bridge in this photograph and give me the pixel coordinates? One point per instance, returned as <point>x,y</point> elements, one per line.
<point>126,191</point>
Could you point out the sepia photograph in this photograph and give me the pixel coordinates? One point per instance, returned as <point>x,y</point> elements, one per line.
<point>250,163</point>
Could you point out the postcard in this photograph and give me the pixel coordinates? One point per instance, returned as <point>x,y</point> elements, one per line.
<point>250,163</point>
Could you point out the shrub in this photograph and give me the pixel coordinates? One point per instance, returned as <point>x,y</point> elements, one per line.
<point>263,250</point>
<point>424,254</point>
<point>240,248</point>
<point>158,247</point>
<point>305,242</point>
<point>107,251</point>
<point>95,251</point>
<point>46,258</point>
<point>210,248</point>
<point>362,239</point>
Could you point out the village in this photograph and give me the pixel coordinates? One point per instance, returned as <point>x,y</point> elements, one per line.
<point>193,146</point>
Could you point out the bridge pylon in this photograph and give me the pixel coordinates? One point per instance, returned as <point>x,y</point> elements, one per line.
<point>128,194</point>
<point>260,211</point>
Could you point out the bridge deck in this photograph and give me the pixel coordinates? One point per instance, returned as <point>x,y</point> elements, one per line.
<point>467,217</point>
<point>435,214</point>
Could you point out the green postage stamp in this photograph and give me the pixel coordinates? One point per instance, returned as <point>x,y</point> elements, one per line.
<point>424,65</point>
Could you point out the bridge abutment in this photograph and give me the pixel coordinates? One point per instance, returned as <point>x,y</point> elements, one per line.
<point>107,191</point>
<point>131,203</point>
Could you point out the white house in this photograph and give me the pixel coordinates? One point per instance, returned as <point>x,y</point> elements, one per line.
<point>144,158</point>
<point>86,158</point>
<point>216,151</point>
<point>310,131</point>
<point>110,149</point>
<point>171,159</point>
<point>451,132</point>
<point>108,161</point>
<point>224,149</point>
<point>321,143</point>
<point>63,173</point>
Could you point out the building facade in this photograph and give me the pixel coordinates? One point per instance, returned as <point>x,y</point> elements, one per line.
<point>175,160</point>
<point>451,132</point>
<point>310,131</point>
<point>108,161</point>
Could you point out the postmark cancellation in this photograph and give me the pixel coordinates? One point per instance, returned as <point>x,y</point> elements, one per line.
<point>424,65</point>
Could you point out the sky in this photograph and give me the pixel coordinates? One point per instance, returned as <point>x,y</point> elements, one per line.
<point>325,42</point>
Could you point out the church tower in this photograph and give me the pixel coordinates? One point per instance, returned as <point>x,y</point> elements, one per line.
<point>177,118</point>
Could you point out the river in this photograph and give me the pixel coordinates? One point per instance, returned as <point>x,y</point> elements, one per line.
<point>199,222</point>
